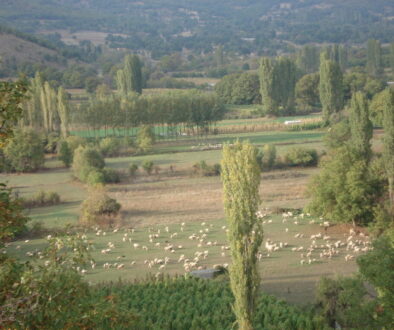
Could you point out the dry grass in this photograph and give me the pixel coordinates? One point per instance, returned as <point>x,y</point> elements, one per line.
<point>168,199</point>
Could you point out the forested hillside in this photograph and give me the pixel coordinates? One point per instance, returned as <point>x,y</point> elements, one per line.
<point>166,26</point>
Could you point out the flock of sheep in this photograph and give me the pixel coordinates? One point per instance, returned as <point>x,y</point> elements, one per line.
<point>189,248</point>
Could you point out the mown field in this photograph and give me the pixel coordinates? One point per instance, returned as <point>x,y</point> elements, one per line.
<point>175,195</point>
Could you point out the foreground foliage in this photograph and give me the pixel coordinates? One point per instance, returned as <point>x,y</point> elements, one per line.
<point>52,294</point>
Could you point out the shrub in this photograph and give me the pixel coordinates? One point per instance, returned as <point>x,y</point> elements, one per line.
<point>5,165</point>
<point>25,152</point>
<point>203,169</point>
<point>301,157</point>
<point>147,166</point>
<point>95,177</point>
<point>51,141</point>
<point>133,169</point>
<point>65,154</point>
<point>12,220</point>
<point>85,160</point>
<point>41,198</point>
<point>110,146</point>
<point>75,141</point>
<point>111,175</point>
<point>99,208</point>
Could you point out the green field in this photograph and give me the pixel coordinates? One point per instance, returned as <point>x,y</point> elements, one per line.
<point>166,132</point>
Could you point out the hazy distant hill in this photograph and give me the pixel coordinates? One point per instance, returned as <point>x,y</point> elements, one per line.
<point>17,51</point>
<point>243,26</point>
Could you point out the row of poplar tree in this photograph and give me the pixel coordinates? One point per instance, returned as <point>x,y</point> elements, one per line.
<point>117,113</point>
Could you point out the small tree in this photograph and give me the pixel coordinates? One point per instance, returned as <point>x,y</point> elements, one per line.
<point>99,208</point>
<point>145,138</point>
<point>133,169</point>
<point>110,146</point>
<point>147,166</point>
<point>25,152</point>
<point>241,179</point>
<point>85,160</point>
<point>269,156</point>
<point>65,154</point>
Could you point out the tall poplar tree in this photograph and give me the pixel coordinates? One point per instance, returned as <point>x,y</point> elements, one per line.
<point>241,179</point>
<point>392,58</point>
<point>330,87</point>
<point>388,151</point>
<point>374,57</point>
<point>308,59</point>
<point>285,81</point>
<point>267,85</point>
<point>129,79</point>
<point>48,106</point>
<point>63,110</point>
<point>219,56</point>
<point>360,126</point>
<point>277,85</point>
<point>32,105</point>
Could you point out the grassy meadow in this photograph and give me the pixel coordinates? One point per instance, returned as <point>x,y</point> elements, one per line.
<point>174,195</point>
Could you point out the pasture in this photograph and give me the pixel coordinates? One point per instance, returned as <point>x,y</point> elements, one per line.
<point>160,203</point>
<point>290,272</point>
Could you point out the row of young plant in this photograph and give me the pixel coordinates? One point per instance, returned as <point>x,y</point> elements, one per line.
<point>189,303</point>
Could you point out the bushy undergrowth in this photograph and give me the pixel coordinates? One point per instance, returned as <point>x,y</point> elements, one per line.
<point>299,156</point>
<point>41,198</point>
